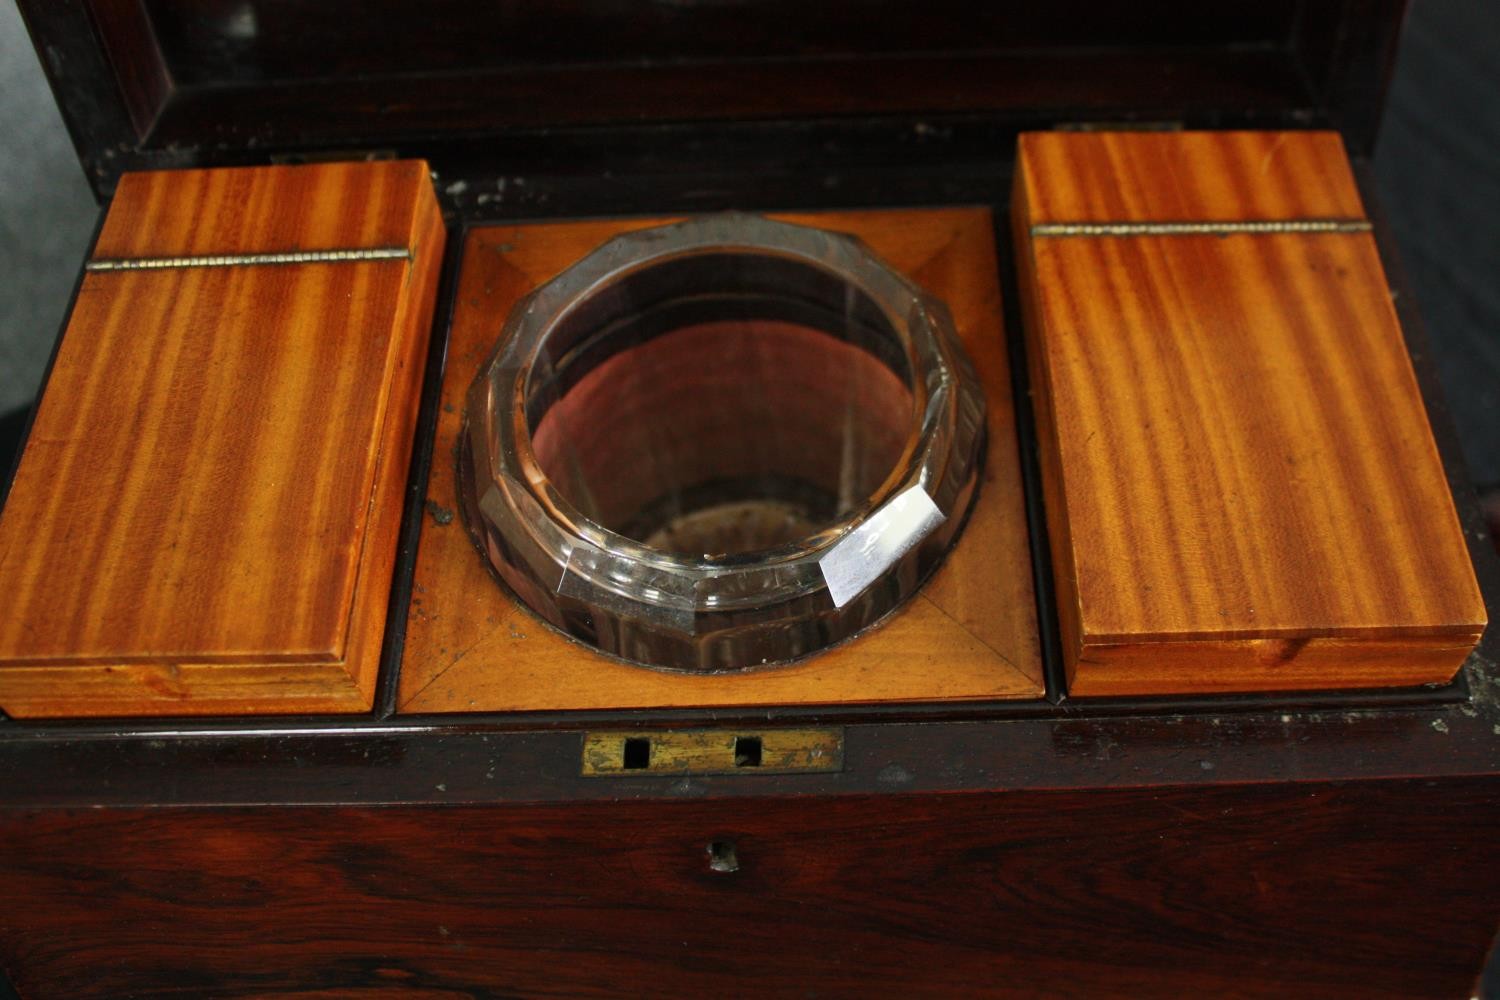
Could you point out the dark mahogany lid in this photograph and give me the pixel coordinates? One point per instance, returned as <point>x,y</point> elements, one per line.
<point>156,83</point>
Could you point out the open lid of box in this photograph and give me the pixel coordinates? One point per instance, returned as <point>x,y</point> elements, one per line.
<point>169,83</point>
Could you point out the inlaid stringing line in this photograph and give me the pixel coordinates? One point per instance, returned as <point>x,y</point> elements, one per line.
<point>250,259</point>
<point>1200,228</point>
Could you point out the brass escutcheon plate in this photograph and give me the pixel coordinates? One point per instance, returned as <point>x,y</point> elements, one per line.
<point>712,751</point>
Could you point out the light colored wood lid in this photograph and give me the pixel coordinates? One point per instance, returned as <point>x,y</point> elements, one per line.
<point>328,206</point>
<point>1243,489</point>
<point>210,487</point>
<point>1186,176</point>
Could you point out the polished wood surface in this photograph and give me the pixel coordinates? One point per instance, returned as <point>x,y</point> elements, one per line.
<point>1354,889</point>
<point>204,517</point>
<point>1186,177</point>
<point>331,206</point>
<point>970,634</point>
<point>1243,489</point>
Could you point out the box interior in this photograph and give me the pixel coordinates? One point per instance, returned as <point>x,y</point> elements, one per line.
<point>175,83</point>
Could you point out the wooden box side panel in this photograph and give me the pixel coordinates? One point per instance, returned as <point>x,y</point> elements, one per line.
<point>1243,488</point>
<point>1378,889</point>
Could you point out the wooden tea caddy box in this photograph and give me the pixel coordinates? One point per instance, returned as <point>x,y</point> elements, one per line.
<point>1041,777</point>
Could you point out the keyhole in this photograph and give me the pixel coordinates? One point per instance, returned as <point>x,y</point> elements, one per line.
<point>747,751</point>
<point>721,857</point>
<point>637,754</point>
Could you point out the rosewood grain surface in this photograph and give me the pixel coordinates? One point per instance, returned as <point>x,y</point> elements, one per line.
<point>1353,889</point>
<point>969,635</point>
<point>204,517</point>
<point>1243,489</point>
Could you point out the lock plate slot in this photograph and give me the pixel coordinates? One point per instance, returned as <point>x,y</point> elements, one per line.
<point>712,751</point>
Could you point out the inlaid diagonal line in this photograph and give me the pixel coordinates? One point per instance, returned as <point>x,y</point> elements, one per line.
<point>249,259</point>
<point>1227,228</point>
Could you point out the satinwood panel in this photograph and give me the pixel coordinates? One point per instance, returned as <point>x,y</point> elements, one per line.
<point>204,517</point>
<point>1243,492</point>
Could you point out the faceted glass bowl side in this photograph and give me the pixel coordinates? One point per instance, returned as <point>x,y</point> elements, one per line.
<point>721,444</point>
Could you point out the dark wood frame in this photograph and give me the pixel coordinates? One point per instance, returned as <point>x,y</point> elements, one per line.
<point>130,105</point>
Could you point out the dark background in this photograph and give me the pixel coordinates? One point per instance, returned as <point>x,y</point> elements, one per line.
<point>1438,166</point>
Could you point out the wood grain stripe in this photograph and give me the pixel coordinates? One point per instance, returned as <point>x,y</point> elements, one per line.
<point>1243,490</point>
<point>204,517</point>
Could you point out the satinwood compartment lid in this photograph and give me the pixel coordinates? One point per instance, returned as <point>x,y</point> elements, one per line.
<point>156,83</point>
<point>203,519</point>
<point>1243,491</point>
